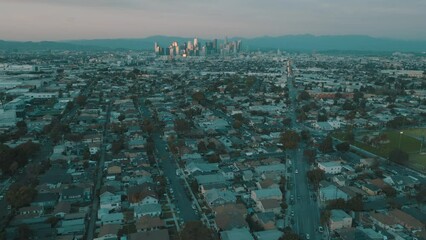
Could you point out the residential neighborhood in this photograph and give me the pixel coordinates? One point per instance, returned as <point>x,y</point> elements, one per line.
<point>268,145</point>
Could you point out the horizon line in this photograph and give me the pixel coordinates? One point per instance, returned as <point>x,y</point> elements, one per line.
<point>208,38</point>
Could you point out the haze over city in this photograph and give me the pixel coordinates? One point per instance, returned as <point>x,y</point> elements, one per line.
<point>212,120</point>
<point>80,19</point>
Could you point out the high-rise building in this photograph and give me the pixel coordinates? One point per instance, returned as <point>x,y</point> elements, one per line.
<point>195,43</point>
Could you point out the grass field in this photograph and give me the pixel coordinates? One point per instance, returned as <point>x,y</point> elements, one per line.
<point>409,142</point>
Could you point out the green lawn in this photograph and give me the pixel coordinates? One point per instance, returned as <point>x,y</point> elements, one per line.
<point>408,142</point>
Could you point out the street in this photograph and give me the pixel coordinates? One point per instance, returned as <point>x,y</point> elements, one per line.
<point>93,215</point>
<point>168,166</point>
<point>306,211</point>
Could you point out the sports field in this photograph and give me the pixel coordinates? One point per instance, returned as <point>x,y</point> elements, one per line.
<point>410,141</point>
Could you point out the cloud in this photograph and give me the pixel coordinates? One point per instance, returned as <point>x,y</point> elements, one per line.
<point>65,19</point>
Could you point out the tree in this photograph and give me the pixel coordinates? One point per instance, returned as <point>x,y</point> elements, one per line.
<point>24,232</point>
<point>398,156</point>
<point>199,97</point>
<point>202,148</point>
<point>213,158</point>
<point>343,147</point>
<point>290,139</point>
<point>327,145</point>
<point>20,195</point>
<point>117,146</point>
<point>305,135</point>
<point>81,100</point>
<point>289,235</point>
<point>398,122</point>
<point>195,230</point>
<point>355,204</point>
<point>253,225</point>
<point>389,191</point>
<point>304,95</point>
<point>22,128</point>
<point>315,176</point>
<point>121,117</point>
<point>325,217</point>
<point>310,154</point>
<point>237,124</point>
<point>182,125</point>
<point>147,126</point>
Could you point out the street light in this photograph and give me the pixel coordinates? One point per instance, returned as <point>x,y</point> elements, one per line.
<point>400,134</point>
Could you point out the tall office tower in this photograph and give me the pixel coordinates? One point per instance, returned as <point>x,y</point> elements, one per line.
<point>156,47</point>
<point>195,43</point>
<point>190,46</point>
<point>239,45</point>
<point>215,45</point>
<point>226,41</point>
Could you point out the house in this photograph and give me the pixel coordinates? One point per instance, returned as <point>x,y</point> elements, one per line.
<point>268,193</point>
<point>268,235</point>
<point>401,182</point>
<point>269,205</point>
<point>215,197</point>
<point>228,173</point>
<point>406,220</point>
<point>231,216</point>
<point>383,220</point>
<point>45,200</point>
<point>247,175</point>
<point>331,192</point>
<point>332,167</point>
<point>61,209</point>
<point>141,194</point>
<point>74,194</point>
<point>265,219</point>
<point>32,210</point>
<point>109,231</point>
<point>148,223</point>
<point>112,218</point>
<point>110,201</point>
<point>236,234</point>
<point>371,189</point>
<point>276,168</point>
<point>114,170</point>
<point>72,223</point>
<point>148,209</point>
<point>55,177</point>
<point>201,168</point>
<point>161,234</point>
<point>339,219</point>
<point>210,181</point>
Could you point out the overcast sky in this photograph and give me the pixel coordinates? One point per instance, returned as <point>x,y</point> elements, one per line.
<point>90,19</point>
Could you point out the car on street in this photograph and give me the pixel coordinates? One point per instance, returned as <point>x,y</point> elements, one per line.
<point>307,236</point>
<point>296,171</point>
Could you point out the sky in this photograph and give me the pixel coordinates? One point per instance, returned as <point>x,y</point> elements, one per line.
<point>36,20</point>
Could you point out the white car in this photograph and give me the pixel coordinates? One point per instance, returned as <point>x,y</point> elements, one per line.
<point>296,171</point>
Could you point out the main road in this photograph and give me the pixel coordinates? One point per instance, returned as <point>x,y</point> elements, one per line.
<point>93,214</point>
<point>169,167</point>
<point>306,211</point>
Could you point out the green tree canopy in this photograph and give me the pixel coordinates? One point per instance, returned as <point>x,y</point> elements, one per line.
<point>195,230</point>
<point>290,139</point>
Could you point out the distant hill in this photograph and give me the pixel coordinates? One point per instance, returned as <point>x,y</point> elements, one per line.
<point>42,46</point>
<point>336,43</point>
<point>289,42</point>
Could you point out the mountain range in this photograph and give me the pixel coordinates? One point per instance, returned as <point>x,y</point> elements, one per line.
<point>288,42</point>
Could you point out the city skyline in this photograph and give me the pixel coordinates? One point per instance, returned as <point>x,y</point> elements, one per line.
<point>67,20</point>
